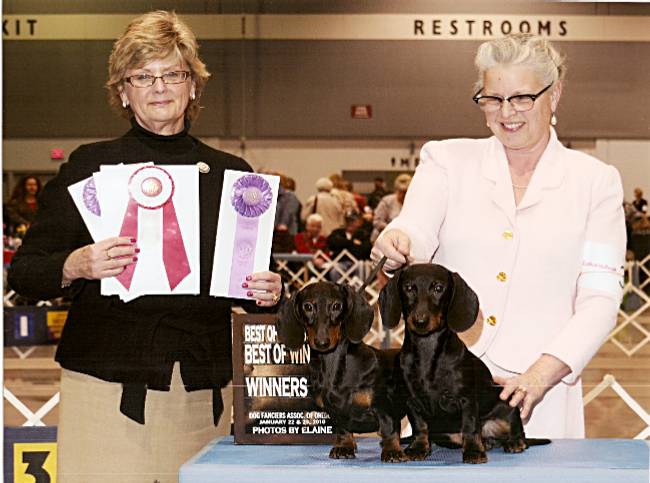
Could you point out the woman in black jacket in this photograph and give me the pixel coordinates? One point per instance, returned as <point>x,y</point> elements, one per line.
<point>175,351</point>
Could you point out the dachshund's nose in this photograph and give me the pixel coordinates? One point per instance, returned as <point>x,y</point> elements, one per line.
<point>420,319</point>
<point>322,344</point>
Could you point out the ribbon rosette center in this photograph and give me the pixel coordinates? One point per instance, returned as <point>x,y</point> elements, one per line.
<point>151,187</point>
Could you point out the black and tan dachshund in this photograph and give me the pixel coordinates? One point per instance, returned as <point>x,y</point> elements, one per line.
<point>452,399</point>
<point>359,386</point>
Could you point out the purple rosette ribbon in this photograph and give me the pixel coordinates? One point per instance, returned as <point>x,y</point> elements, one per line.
<point>251,197</point>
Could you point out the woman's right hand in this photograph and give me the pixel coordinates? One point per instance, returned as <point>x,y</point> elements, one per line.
<point>396,245</point>
<point>106,258</point>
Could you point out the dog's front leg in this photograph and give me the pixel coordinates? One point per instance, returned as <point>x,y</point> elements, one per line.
<point>473,447</point>
<point>344,446</point>
<point>389,432</point>
<point>419,448</point>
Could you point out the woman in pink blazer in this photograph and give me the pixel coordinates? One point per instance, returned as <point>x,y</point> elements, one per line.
<point>536,229</point>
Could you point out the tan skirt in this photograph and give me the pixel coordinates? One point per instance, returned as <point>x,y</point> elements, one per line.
<point>98,444</point>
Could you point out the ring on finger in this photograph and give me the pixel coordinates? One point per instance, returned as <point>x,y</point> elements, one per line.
<point>521,389</point>
<point>108,256</point>
<point>276,297</point>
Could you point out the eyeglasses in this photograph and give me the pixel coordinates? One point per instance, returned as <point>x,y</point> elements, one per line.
<point>520,102</point>
<point>147,80</point>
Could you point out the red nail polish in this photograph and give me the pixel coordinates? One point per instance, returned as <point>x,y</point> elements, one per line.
<point>137,250</point>
<point>244,285</point>
<point>132,240</point>
<point>135,259</point>
<point>249,278</point>
<point>259,302</point>
<point>249,293</point>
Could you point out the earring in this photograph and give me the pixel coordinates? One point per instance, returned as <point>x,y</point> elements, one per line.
<point>553,120</point>
<point>487,124</point>
<point>125,104</point>
<point>192,96</point>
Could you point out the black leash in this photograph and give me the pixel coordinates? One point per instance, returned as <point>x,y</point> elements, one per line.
<point>373,274</point>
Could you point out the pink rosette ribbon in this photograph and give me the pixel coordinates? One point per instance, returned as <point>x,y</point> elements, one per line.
<point>152,188</point>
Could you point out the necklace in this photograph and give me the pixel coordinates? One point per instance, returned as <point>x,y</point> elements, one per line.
<point>520,187</point>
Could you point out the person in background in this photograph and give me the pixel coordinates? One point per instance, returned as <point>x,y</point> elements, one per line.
<point>287,214</point>
<point>22,206</point>
<point>326,205</point>
<point>378,193</point>
<point>359,199</point>
<point>536,229</point>
<point>311,240</point>
<point>352,237</point>
<point>639,202</point>
<point>342,190</point>
<point>390,205</point>
<point>144,384</point>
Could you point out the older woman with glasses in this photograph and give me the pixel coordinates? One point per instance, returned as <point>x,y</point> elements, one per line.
<point>144,384</point>
<point>536,229</point>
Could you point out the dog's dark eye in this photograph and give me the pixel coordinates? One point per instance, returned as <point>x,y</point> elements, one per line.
<point>337,306</point>
<point>409,288</point>
<point>307,307</point>
<point>438,288</point>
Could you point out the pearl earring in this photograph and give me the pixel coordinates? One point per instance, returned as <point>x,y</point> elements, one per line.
<point>192,96</point>
<point>553,120</point>
<point>125,104</point>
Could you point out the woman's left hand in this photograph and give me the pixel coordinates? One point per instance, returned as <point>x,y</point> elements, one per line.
<point>264,287</point>
<point>528,389</point>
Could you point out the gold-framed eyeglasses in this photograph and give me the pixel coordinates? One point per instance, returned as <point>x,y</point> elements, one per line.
<point>520,102</point>
<point>147,80</point>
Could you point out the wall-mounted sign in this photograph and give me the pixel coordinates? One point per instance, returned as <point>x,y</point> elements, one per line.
<point>408,26</point>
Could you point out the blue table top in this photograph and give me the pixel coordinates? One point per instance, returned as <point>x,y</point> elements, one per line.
<point>570,460</point>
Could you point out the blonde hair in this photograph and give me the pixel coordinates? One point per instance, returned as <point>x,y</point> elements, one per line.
<point>521,49</point>
<point>154,36</point>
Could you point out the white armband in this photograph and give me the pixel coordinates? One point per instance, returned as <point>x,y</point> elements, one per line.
<point>602,269</point>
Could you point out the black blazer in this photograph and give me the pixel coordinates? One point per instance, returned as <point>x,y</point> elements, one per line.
<point>135,342</point>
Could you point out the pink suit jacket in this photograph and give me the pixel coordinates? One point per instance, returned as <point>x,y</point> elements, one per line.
<point>548,272</point>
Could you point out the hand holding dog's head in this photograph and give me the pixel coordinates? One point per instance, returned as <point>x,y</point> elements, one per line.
<point>325,312</point>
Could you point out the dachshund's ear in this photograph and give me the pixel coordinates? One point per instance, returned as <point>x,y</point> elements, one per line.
<point>390,302</point>
<point>359,315</point>
<point>463,306</point>
<point>291,331</point>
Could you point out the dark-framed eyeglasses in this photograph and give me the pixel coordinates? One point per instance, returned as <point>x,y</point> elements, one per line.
<point>520,102</point>
<point>147,80</point>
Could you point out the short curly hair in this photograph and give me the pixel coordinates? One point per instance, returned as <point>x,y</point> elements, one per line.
<point>154,36</point>
<point>521,49</point>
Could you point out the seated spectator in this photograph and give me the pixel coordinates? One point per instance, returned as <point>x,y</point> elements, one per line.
<point>311,240</point>
<point>390,205</point>
<point>352,238</point>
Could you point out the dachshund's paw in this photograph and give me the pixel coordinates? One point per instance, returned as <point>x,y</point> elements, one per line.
<point>417,452</point>
<point>515,445</point>
<point>393,456</point>
<point>474,457</point>
<point>342,452</point>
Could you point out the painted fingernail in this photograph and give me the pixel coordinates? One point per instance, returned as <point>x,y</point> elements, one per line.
<point>249,293</point>
<point>259,302</point>
<point>135,259</point>
<point>137,250</point>
<point>249,278</point>
<point>132,240</point>
<point>244,285</point>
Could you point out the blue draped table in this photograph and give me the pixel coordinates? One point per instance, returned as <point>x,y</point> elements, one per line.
<point>567,460</point>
